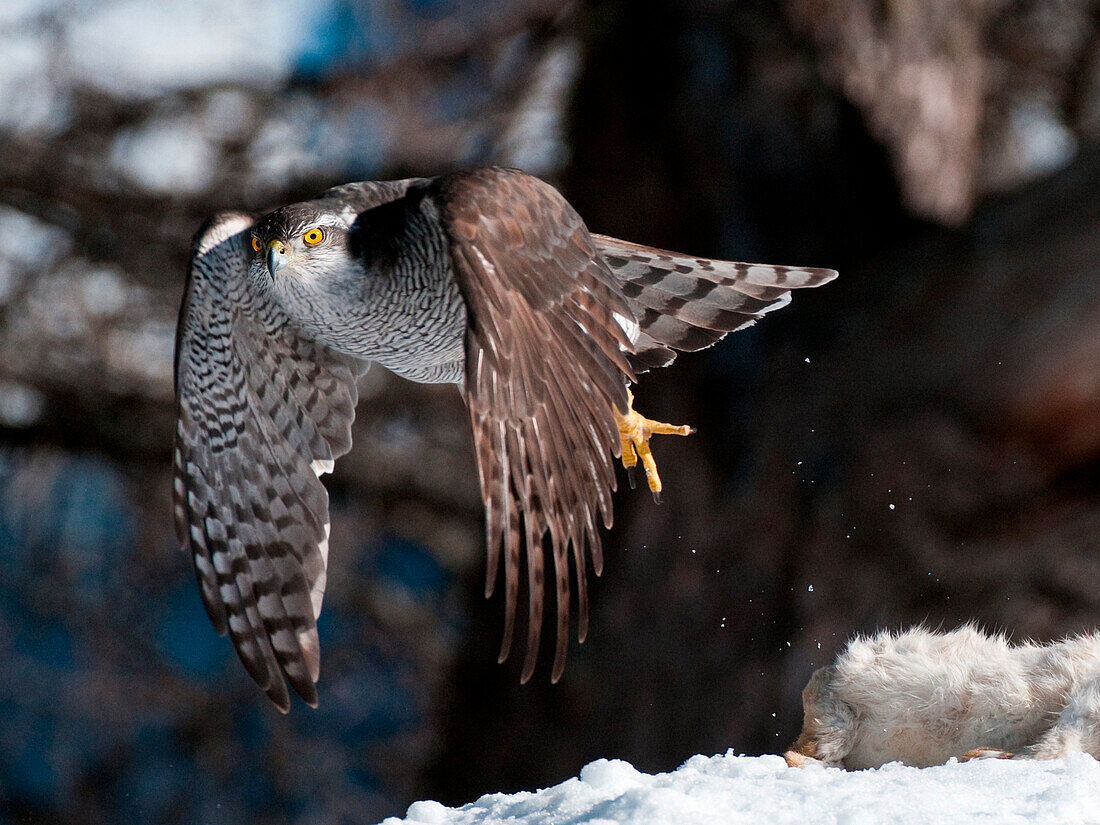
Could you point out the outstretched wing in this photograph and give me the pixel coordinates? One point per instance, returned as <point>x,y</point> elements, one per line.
<point>687,303</point>
<point>262,412</point>
<point>546,359</point>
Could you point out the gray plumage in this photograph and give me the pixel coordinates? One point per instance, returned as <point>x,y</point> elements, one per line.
<point>487,279</point>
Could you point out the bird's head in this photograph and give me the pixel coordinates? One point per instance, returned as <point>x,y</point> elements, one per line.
<point>303,241</point>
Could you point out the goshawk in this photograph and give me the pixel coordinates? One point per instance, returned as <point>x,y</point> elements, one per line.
<point>487,279</point>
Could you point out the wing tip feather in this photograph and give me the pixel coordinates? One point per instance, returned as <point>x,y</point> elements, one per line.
<point>252,335</point>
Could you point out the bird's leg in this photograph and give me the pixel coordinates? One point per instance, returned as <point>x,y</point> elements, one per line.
<point>635,431</point>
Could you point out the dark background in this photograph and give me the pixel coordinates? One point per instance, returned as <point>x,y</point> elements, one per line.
<point>918,441</point>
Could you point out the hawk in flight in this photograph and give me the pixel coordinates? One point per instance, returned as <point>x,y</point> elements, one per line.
<point>487,279</point>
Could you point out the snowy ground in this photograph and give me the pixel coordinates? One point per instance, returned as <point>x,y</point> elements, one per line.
<point>741,789</point>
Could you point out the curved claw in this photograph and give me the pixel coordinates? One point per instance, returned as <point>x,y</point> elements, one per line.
<point>635,430</point>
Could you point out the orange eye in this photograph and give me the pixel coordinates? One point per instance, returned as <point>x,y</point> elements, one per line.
<point>314,236</point>
<point>256,245</point>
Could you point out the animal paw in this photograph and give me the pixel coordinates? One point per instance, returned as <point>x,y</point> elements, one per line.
<point>985,753</point>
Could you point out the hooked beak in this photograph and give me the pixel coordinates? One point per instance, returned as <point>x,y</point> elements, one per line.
<point>276,256</point>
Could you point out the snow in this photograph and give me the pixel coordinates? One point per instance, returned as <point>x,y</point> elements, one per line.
<point>740,789</point>
<point>20,404</point>
<point>32,100</point>
<point>165,157</point>
<point>103,290</point>
<point>1038,141</point>
<point>536,140</point>
<point>144,352</point>
<point>135,47</point>
<point>27,246</point>
<point>26,241</point>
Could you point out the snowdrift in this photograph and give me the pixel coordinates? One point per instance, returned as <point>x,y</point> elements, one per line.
<point>739,789</point>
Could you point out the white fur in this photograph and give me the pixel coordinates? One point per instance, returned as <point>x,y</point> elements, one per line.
<point>921,697</point>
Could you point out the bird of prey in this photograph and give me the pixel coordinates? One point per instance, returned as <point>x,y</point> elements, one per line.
<point>484,278</point>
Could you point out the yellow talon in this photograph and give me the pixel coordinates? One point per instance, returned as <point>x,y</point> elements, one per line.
<point>635,431</point>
